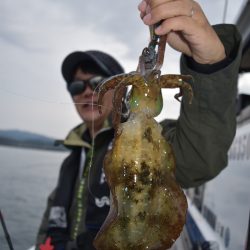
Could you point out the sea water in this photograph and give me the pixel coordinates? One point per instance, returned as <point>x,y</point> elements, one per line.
<point>27,177</point>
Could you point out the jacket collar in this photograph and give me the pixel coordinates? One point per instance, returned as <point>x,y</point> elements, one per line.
<point>74,137</point>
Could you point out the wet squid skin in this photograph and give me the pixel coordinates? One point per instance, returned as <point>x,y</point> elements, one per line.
<point>148,208</point>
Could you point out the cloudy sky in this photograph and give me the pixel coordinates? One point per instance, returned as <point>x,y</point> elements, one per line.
<point>35,36</point>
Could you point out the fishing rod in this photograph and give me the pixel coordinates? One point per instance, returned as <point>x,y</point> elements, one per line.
<point>6,234</point>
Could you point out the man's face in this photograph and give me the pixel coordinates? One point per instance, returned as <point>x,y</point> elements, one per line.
<point>86,102</point>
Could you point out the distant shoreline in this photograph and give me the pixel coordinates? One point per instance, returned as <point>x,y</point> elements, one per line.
<point>29,140</point>
<point>32,146</point>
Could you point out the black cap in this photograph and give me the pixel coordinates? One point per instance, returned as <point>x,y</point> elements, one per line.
<point>105,63</point>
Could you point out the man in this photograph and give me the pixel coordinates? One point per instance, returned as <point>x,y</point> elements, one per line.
<point>200,137</point>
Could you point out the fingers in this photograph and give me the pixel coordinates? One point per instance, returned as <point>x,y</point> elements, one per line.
<point>144,8</point>
<point>175,15</point>
<point>164,9</point>
<point>153,11</point>
<point>186,27</point>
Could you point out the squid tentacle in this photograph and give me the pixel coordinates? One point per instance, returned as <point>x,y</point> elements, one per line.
<point>161,52</point>
<point>178,81</point>
<point>119,95</point>
<point>109,84</point>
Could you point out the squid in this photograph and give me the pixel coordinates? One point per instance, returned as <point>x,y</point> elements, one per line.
<point>148,207</point>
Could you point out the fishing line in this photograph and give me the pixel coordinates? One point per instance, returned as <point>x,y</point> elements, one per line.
<point>36,99</point>
<point>119,111</point>
<point>225,11</point>
<point>95,91</point>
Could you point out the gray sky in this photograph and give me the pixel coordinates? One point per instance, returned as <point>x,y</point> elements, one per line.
<point>35,36</point>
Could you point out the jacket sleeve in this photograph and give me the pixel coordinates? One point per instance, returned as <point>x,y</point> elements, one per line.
<point>205,129</point>
<point>43,229</point>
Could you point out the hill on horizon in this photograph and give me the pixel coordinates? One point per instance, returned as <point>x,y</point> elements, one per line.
<point>20,138</point>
